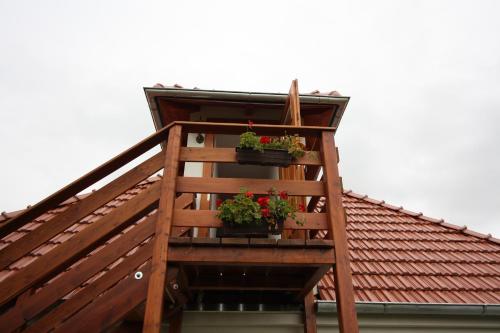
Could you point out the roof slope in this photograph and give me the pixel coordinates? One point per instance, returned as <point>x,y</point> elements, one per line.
<point>402,256</point>
<point>396,255</point>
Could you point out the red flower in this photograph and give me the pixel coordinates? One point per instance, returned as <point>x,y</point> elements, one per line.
<point>249,194</point>
<point>250,124</point>
<point>263,201</point>
<point>283,195</point>
<point>265,212</point>
<point>302,208</point>
<point>218,202</point>
<point>265,139</point>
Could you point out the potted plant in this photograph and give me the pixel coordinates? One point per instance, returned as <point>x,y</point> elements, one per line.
<point>265,150</point>
<point>250,216</point>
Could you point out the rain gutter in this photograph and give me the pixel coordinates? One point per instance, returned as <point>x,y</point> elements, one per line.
<point>415,308</point>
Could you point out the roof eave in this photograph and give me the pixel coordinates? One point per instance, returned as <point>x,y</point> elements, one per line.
<point>240,96</point>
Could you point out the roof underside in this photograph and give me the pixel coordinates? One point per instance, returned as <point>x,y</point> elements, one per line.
<point>396,255</point>
<point>169,104</point>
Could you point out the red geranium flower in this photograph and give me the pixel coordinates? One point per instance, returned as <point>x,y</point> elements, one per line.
<point>265,212</point>
<point>265,139</point>
<point>250,124</point>
<point>218,202</point>
<point>263,201</point>
<point>283,195</point>
<point>302,208</point>
<point>249,194</point>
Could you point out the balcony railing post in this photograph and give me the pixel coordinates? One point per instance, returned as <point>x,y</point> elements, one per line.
<point>156,287</point>
<point>337,228</point>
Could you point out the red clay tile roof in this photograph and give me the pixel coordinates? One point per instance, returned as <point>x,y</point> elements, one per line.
<point>396,255</point>
<point>402,256</point>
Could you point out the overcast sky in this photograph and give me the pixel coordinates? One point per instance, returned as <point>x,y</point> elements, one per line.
<point>422,128</point>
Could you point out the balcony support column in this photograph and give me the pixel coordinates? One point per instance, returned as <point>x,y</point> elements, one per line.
<point>156,287</point>
<point>337,230</point>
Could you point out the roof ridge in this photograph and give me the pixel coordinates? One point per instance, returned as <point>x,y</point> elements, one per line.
<point>463,229</point>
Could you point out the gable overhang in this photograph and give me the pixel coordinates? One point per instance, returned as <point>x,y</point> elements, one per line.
<point>334,106</point>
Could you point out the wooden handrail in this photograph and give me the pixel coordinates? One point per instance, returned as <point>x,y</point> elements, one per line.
<point>260,129</point>
<point>257,186</point>
<point>84,182</point>
<point>208,219</point>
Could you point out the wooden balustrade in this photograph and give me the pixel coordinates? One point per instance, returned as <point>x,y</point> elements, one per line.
<point>164,195</point>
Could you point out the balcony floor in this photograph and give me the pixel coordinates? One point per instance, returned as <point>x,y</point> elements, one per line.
<point>251,263</point>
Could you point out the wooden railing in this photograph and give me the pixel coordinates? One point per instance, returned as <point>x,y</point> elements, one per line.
<point>163,196</point>
<point>168,216</point>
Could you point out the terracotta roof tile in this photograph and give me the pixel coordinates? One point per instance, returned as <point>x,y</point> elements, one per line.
<point>398,255</point>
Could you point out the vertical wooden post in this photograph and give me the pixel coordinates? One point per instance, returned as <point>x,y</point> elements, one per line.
<point>309,313</point>
<point>176,322</point>
<point>207,172</point>
<point>291,116</point>
<point>156,287</point>
<point>337,224</point>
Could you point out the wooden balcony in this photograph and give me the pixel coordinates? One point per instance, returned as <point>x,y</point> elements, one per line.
<point>200,263</point>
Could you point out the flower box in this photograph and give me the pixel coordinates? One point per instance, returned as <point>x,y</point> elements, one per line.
<point>270,157</point>
<point>254,230</point>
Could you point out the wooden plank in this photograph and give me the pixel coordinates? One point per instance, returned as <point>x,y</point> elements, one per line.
<point>342,271</point>
<point>208,169</point>
<point>84,182</point>
<point>109,308</point>
<point>271,282</point>
<point>312,281</point>
<point>70,280</point>
<point>79,210</point>
<point>156,287</point>
<point>185,200</point>
<point>309,314</point>
<point>260,129</point>
<point>73,249</point>
<point>228,155</point>
<point>208,219</point>
<point>257,186</point>
<point>175,324</point>
<point>201,255</point>
<point>87,296</point>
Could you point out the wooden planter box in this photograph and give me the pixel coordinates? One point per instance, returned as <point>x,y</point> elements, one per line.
<point>272,157</point>
<point>260,230</point>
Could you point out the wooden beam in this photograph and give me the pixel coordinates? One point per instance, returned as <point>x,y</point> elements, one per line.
<point>208,219</point>
<point>309,313</point>
<point>70,280</point>
<point>78,211</point>
<point>83,182</point>
<point>208,169</point>
<point>87,296</point>
<point>312,281</point>
<point>156,287</point>
<point>111,307</point>
<point>260,129</point>
<point>279,282</point>
<point>175,324</point>
<point>228,155</point>
<point>342,271</point>
<point>201,255</point>
<point>76,247</point>
<point>257,186</point>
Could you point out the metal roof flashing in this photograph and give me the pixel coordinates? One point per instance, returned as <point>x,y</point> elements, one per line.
<point>152,94</point>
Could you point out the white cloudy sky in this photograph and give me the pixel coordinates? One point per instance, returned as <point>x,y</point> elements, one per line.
<point>421,129</point>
